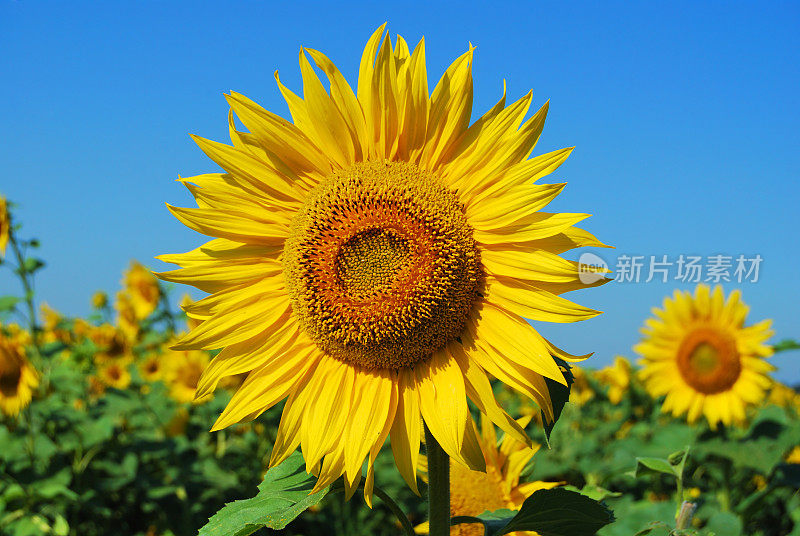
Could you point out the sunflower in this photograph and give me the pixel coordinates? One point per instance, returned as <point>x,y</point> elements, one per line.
<point>53,325</point>
<point>697,352</point>
<point>112,345</point>
<point>784,396</point>
<point>375,261</point>
<point>617,377</point>
<point>126,316</point>
<point>580,392</point>
<point>99,300</point>
<point>114,374</point>
<point>5,225</point>
<point>143,290</point>
<point>473,492</point>
<point>18,379</point>
<point>182,374</point>
<point>151,368</point>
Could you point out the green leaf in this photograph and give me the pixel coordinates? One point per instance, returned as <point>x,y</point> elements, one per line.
<point>31,264</point>
<point>594,491</point>
<point>550,512</point>
<point>282,496</point>
<point>786,345</point>
<point>559,395</point>
<point>7,303</point>
<point>724,524</point>
<point>645,466</point>
<point>60,526</point>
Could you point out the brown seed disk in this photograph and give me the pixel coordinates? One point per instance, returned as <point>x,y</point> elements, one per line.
<point>381,265</point>
<point>709,361</point>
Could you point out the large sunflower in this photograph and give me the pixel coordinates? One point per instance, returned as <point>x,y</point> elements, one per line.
<point>374,261</point>
<point>697,352</point>
<point>18,379</point>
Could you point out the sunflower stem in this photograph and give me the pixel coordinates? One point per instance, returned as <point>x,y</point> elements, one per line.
<point>438,486</point>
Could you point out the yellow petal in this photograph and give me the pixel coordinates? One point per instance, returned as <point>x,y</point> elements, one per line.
<point>330,130</point>
<point>443,403</point>
<point>290,145</point>
<point>268,385</point>
<point>450,110</point>
<point>527,301</point>
<point>479,390</point>
<point>513,337</point>
<point>244,166</point>
<point>536,226</point>
<point>405,430</point>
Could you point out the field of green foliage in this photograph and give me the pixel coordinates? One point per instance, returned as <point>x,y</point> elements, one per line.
<point>108,442</point>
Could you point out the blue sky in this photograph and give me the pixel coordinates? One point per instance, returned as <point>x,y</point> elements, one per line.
<point>684,116</point>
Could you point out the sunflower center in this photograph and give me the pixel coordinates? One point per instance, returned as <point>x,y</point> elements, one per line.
<point>10,370</point>
<point>708,361</point>
<point>381,265</point>
<point>370,261</point>
<point>9,381</point>
<point>114,372</point>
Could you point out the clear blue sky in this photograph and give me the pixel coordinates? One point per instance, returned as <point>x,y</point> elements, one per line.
<point>685,117</point>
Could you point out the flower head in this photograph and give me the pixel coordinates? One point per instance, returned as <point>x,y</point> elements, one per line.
<point>698,352</point>
<point>617,377</point>
<point>99,299</point>
<point>127,320</point>
<point>114,374</point>
<point>112,345</point>
<point>182,373</point>
<point>151,368</point>
<point>375,260</point>
<point>18,379</point>
<point>142,289</point>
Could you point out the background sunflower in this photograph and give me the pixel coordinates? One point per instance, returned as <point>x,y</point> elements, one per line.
<point>697,351</point>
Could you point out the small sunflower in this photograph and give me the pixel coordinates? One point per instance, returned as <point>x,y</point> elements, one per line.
<point>18,379</point>
<point>697,352</point>
<point>375,260</point>
<point>617,377</point>
<point>5,225</point>
<point>473,492</point>
<point>183,369</point>
<point>112,345</point>
<point>151,368</point>
<point>784,396</point>
<point>114,374</point>
<point>143,290</point>
<point>99,300</point>
<point>581,391</point>
<point>126,316</point>
<point>52,325</point>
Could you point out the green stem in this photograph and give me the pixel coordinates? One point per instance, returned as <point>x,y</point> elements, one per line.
<point>438,486</point>
<point>26,287</point>
<point>387,500</point>
<point>393,506</point>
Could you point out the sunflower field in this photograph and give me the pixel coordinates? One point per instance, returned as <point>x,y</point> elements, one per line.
<point>363,362</point>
